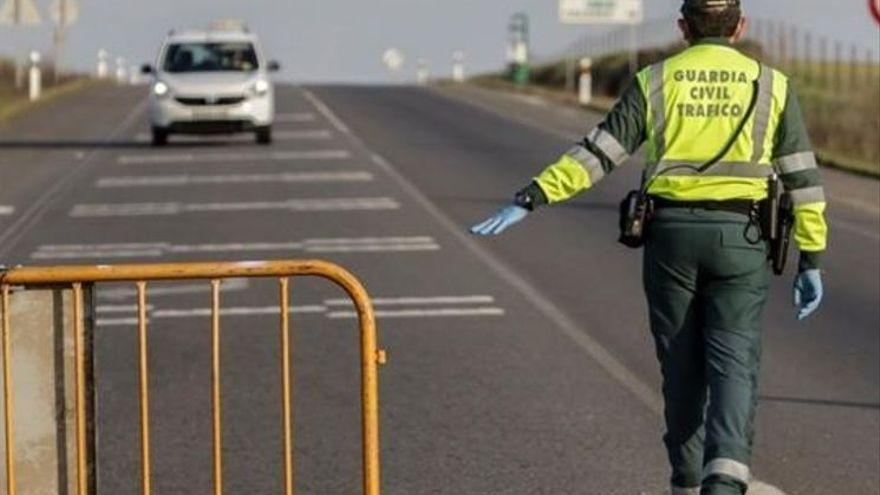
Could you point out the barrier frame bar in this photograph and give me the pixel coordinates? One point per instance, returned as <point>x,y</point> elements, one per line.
<point>76,276</point>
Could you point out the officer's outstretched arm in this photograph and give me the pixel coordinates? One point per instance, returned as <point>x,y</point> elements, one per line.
<point>604,149</point>
<point>793,158</point>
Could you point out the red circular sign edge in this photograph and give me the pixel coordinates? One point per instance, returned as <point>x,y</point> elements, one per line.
<point>875,9</point>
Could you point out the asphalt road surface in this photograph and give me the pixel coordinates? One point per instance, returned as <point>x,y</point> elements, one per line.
<point>517,365</point>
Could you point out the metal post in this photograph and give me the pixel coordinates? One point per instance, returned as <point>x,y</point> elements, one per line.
<point>838,65</point>
<point>854,67</point>
<point>35,85</point>
<point>121,76</point>
<point>7,394</point>
<point>458,74</point>
<point>808,58</point>
<point>19,73</point>
<point>585,93</point>
<point>102,64</point>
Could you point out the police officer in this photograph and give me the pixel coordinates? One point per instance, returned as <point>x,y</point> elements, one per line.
<point>706,277</point>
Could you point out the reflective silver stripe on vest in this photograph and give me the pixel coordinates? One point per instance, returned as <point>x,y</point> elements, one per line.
<point>658,107</point>
<point>808,195</point>
<point>762,112</point>
<point>721,169</point>
<point>677,490</point>
<point>728,467</point>
<point>609,145</point>
<point>589,161</point>
<point>797,162</point>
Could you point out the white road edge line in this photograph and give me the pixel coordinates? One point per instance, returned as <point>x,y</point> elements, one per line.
<point>647,395</point>
<point>153,250</point>
<point>170,209</point>
<point>192,180</point>
<point>143,159</point>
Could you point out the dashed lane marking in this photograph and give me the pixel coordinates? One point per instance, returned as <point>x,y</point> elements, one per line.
<point>421,313</point>
<point>6,210</point>
<point>160,158</point>
<point>410,301</point>
<point>156,250</point>
<point>193,180</point>
<point>171,209</point>
<point>123,293</point>
<point>433,307</point>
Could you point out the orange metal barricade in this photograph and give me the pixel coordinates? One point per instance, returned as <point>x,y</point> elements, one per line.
<point>77,276</point>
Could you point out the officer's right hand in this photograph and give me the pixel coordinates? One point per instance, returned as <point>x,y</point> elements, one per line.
<point>500,221</point>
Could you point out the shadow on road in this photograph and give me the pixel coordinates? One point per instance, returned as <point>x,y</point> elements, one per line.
<point>820,402</point>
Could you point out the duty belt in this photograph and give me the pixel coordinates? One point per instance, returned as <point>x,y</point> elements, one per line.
<point>742,206</point>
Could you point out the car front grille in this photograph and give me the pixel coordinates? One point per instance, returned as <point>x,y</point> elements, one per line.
<point>201,101</point>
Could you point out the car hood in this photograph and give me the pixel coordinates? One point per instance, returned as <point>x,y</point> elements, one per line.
<point>213,83</point>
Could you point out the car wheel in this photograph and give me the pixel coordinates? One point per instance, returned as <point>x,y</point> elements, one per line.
<point>160,136</point>
<point>264,135</point>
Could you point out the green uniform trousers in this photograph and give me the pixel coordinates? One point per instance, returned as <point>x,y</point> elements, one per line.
<point>707,286</point>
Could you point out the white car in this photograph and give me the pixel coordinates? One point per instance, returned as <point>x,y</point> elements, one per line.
<point>213,81</point>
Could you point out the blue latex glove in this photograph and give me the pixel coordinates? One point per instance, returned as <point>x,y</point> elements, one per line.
<point>498,223</point>
<point>808,292</point>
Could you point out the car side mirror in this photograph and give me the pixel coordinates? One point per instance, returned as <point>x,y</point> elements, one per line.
<point>146,69</point>
<point>274,66</point>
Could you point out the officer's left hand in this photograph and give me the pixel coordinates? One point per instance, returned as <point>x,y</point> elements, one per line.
<point>501,221</point>
<point>808,293</point>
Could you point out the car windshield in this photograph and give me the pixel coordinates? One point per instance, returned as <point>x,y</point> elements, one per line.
<point>210,57</point>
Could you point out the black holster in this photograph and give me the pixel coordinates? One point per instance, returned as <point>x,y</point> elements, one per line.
<point>635,213</point>
<point>777,221</point>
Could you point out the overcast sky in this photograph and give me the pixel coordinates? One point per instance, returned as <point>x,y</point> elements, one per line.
<point>343,40</point>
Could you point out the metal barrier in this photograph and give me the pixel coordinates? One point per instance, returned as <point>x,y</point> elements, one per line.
<point>77,276</point>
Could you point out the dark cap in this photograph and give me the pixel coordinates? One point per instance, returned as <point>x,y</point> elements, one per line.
<point>710,4</point>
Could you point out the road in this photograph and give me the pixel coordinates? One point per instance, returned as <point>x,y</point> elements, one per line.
<point>516,365</point>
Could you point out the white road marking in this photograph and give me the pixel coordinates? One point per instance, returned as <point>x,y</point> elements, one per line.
<point>411,301</point>
<point>190,180</point>
<point>119,308</point>
<point>155,250</point>
<point>234,311</point>
<point>117,322</point>
<point>169,209</point>
<point>159,158</point>
<point>313,309</point>
<point>422,313</point>
<point>588,344</point>
<point>295,117</point>
<point>6,210</point>
<point>277,135</point>
<point>120,293</point>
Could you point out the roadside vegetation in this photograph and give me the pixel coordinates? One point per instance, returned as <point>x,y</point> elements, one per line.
<point>841,101</point>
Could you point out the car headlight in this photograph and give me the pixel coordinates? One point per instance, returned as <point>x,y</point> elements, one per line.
<point>160,89</point>
<point>261,87</point>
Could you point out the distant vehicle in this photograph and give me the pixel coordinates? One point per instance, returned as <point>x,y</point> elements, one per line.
<point>213,81</point>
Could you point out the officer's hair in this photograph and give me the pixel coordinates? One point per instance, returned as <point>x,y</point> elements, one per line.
<point>712,23</point>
